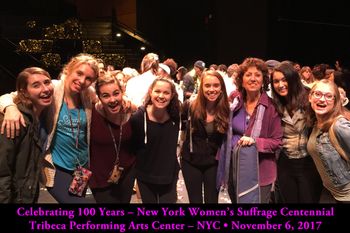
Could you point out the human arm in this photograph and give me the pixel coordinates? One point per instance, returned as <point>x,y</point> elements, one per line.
<point>13,118</point>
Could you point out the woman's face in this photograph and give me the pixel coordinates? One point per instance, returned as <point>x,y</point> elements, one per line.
<point>322,99</point>
<point>161,94</point>
<point>211,88</point>
<point>252,80</point>
<point>280,83</point>
<point>80,78</point>
<point>111,97</point>
<point>306,74</point>
<point>39,90</point>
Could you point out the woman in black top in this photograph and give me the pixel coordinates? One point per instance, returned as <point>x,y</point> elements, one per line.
<point>207,123</point>
<point>156,127</point>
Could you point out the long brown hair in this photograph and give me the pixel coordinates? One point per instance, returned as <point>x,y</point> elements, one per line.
<point>297,97</point>
<point>22,83</point>
<point>222,109</point>
<point>336,111</point>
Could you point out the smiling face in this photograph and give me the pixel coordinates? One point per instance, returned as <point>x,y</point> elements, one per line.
<point>161,94</point>
<point>280,83</point>
<point>80,78</point>
<point>39,90</point>
<point>252,79</point>
<point>211,88</point>
<point>322,99</point>
<point>110,96</point>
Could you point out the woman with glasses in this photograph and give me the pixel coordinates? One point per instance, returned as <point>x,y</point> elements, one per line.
<point>298,179</point>
<point>328,143</point>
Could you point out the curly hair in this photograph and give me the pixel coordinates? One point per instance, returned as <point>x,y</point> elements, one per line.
<point>252,62</point>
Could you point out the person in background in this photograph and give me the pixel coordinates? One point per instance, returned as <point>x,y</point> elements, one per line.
<point>298,179</point>
<point>173,67</point>
<point>331,154</point>
<point>207,123</point>
<point>232,72</point>
<point>69,119</point>
<point>21,157</point>
<point>137,87</point>
<point>181,71</point>
<point>155,128</point>
<point>213,67</point>
<point>164,71</point>
<point>306,76</point>
<point>271,64</point>
<point>110,144</point>
<point>191,80</point>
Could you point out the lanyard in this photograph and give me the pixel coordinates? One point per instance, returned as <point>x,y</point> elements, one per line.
<point>116,147</point>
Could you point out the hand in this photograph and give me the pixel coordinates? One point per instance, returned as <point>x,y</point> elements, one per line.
<point>246,141</point>
<point>12,120</point>
<point>128,106</point>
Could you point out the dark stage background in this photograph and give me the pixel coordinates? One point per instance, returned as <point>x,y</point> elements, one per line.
<point>215,31</point>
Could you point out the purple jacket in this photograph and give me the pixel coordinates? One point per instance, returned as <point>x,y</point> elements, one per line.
<point>268,143</point>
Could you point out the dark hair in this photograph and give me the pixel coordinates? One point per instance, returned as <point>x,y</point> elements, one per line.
<point>172,65</point>
<point>174,106</point>
<point>22,83</point>
<point>297,94</point>
<point>222,110</point>
<point>252,62</point>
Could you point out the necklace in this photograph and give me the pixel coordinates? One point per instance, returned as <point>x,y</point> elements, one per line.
<point>116,147</point>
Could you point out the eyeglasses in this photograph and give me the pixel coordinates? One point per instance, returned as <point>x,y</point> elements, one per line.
<point>327,96</point>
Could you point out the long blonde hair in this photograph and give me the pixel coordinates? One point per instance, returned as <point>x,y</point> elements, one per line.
<point>82,58</point>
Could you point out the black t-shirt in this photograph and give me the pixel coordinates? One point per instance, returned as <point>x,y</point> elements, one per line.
<point>156,160</point>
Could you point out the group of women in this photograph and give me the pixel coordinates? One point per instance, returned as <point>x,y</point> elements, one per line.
<point>244,141</point>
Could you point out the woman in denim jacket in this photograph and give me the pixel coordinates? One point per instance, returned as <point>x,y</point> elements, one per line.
<point>333,167</point>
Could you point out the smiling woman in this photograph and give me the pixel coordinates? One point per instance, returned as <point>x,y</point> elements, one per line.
<point>111,157</point>
<point>19,182</point>
<point>331,118</point>
<point>155,129</point>
<point>206,126</point>
<point>68,120</point>
<point>255,128</point>
<point>298,180</point>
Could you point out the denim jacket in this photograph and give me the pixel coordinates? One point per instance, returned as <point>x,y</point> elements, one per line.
<point>337,168</point>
